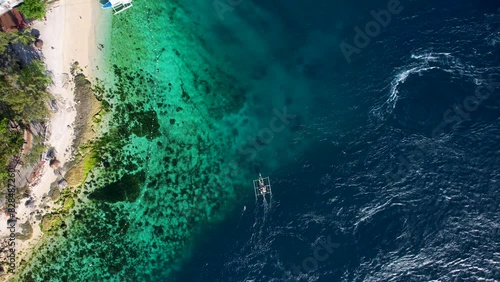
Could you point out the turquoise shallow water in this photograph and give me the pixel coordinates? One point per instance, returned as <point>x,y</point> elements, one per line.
<point>189,129</point>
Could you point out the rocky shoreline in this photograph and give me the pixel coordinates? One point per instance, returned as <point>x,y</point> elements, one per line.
<point>47,213</point>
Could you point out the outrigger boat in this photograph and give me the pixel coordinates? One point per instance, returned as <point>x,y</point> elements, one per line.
<point>262,187</point>
<point>118,6</point>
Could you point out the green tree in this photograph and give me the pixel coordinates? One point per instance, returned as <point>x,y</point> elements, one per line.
<point>25,92</point>
<point>33,78</point>
<point>23,37</point>
<point>5,39</point>
<point>34,9</point>
<point>36,151</point>
<point>23,98</point>
<point>11,142</point>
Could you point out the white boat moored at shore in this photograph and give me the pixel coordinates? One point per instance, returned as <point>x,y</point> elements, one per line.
<point>118,6</point>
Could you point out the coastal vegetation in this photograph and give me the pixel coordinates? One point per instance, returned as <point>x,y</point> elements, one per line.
<point>24,109</point>
<point>6,38</point>
<point>36,150</point>
<point>23,98</point>
<point>34,9</point>
<point>11,142</point>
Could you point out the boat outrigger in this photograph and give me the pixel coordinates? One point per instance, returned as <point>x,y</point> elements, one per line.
<point>118,6</point>
<point>262,187</point>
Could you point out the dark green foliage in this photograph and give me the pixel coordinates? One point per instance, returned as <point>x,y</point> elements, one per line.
<point>11,142</point>
<point>23,92</point>
<point>36,151</point>
<point>34,9</point>
<point>23,98</point>
<point>23,37</point>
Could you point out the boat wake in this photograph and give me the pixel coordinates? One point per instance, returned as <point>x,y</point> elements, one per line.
<point>262,217</point>
<point>254,253</point>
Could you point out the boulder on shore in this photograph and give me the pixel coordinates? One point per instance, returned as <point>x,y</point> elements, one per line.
<point>55,164</point>
<point>39,43</point>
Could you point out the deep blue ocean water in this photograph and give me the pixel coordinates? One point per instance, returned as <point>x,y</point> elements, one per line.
<point>398,175</point>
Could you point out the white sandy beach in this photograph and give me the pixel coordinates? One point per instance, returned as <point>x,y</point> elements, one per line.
<point>69,36</point>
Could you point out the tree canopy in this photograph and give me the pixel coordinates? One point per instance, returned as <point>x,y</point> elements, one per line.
<point>23,97</point>
<point>33,9</point>
<point>24,93</point>
<point>23,37</point>
<point>11,142</point>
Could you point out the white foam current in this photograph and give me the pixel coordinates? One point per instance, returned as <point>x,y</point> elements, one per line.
<point>419,64</point>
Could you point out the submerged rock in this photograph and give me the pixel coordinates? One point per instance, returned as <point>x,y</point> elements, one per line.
<point>54,193</point>
<point>126,189</point>
<point>50,221</point>
<point>144,124</point>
